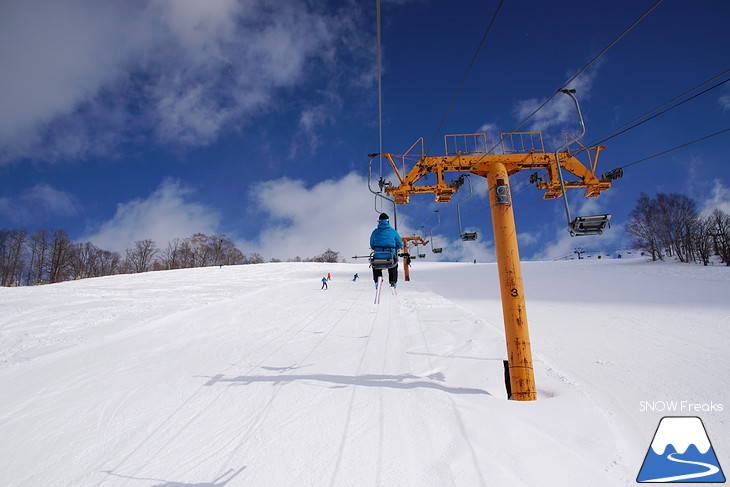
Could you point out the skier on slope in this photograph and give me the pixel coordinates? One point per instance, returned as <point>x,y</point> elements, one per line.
<point>324,283</point>
<point>385,239</point>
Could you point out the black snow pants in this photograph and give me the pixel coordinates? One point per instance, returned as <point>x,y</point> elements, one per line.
<point>392,274</point>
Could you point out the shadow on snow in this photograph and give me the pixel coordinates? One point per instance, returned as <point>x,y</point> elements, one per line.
<point>403,381</point>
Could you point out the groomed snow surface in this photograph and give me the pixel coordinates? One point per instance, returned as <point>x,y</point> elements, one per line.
<point>253,375</point>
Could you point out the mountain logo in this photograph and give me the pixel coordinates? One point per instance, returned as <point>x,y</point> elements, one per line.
<point>681,452</point>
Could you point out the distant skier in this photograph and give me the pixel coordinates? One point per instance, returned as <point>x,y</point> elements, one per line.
<point>385,239</point>
<point>329,276</point>
<point>355,277</point>
<point>324,283</point>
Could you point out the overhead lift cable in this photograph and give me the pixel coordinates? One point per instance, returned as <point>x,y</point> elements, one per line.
<point>615,132</point>
<point>380,85</point>
<point>381,180</point>
<point>674,148</point>
<point>463,78</point>
<point>581,71</point>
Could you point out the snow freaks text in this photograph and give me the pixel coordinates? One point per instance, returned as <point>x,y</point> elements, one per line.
<point>680,407</point>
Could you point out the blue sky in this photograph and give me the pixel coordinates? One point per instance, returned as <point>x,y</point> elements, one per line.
<point>158,119</point>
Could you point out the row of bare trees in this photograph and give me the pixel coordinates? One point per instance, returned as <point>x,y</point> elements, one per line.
<point>38,258</point>
<point>670,225</point>
<point>51,256</point>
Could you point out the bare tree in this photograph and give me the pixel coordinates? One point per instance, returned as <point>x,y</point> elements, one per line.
<point>218,245</point>
<point>171,256</point>
<point>720,228</point>
<point>202,255</point>
<point>60,257</point>
<point>86,261</point>
<point>702,240</point>
<point>12,264</point>
<point>109,262</point>
<point>677,216</point>
<point>254,258</point>
<point>643,227</point>
<point>38,247</point>
<point>225,252</point>
<point>233,256</point>
<point>187,256</point>
<point>141,256</point>
<point>667,223</point>
<point>330,255</point>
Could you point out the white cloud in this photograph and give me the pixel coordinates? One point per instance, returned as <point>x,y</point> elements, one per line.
<point>40,202</point>
<point>80,76</point>
<point>559,115</point>
<point>164,215</point>
<point>725,102</point>
<point>53,55</point>
<point>47,198</point>
<point>340,215</point>
<point>489,129</point>
<point>455,250</point>
<point>304,222</point>
<point>312,118</point>
<point>296,221</point>
<point>719,199</point>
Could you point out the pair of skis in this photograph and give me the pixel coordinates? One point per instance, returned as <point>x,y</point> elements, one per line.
<point>380,286</point>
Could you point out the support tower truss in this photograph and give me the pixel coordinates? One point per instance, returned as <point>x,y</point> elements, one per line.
<point>469,153</point>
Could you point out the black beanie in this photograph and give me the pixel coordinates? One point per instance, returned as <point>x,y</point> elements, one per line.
<point>383,216</point>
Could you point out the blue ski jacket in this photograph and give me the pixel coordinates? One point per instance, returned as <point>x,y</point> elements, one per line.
<point>385,237</point>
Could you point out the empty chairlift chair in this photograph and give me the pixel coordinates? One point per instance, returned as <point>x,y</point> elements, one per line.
<point>588,225</point>
<point>582,225</point>
<point>465,236</point>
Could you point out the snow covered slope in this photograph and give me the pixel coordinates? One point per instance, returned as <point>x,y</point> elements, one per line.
<point>252,375</point>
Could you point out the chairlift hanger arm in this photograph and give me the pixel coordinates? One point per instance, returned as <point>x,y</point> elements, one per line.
<point>383,185</point>
<point>465,236</point>
<point>582,225</point>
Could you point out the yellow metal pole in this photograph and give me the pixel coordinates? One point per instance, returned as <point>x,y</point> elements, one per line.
<point>522,380</point>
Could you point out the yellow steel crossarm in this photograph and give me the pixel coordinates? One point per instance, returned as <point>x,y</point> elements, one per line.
<point>418,240</point>
<point>480,165</point>
<point>586,178</point>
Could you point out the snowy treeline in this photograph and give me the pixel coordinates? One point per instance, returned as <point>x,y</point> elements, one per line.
<point>51,256</point>
<point>670,225</point>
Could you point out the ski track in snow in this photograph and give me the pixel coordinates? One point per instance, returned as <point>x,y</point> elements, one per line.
<point>252,375</point>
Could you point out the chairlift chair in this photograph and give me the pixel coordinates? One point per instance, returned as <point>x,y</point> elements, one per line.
<point>588,225</point>
<point>582,225</point>
<point>383,259</point>
<point>465,236</point>
<point>418,254</point>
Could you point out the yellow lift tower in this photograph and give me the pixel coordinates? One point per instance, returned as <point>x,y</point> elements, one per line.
<point>417,240</point>
<point>469,153</point>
